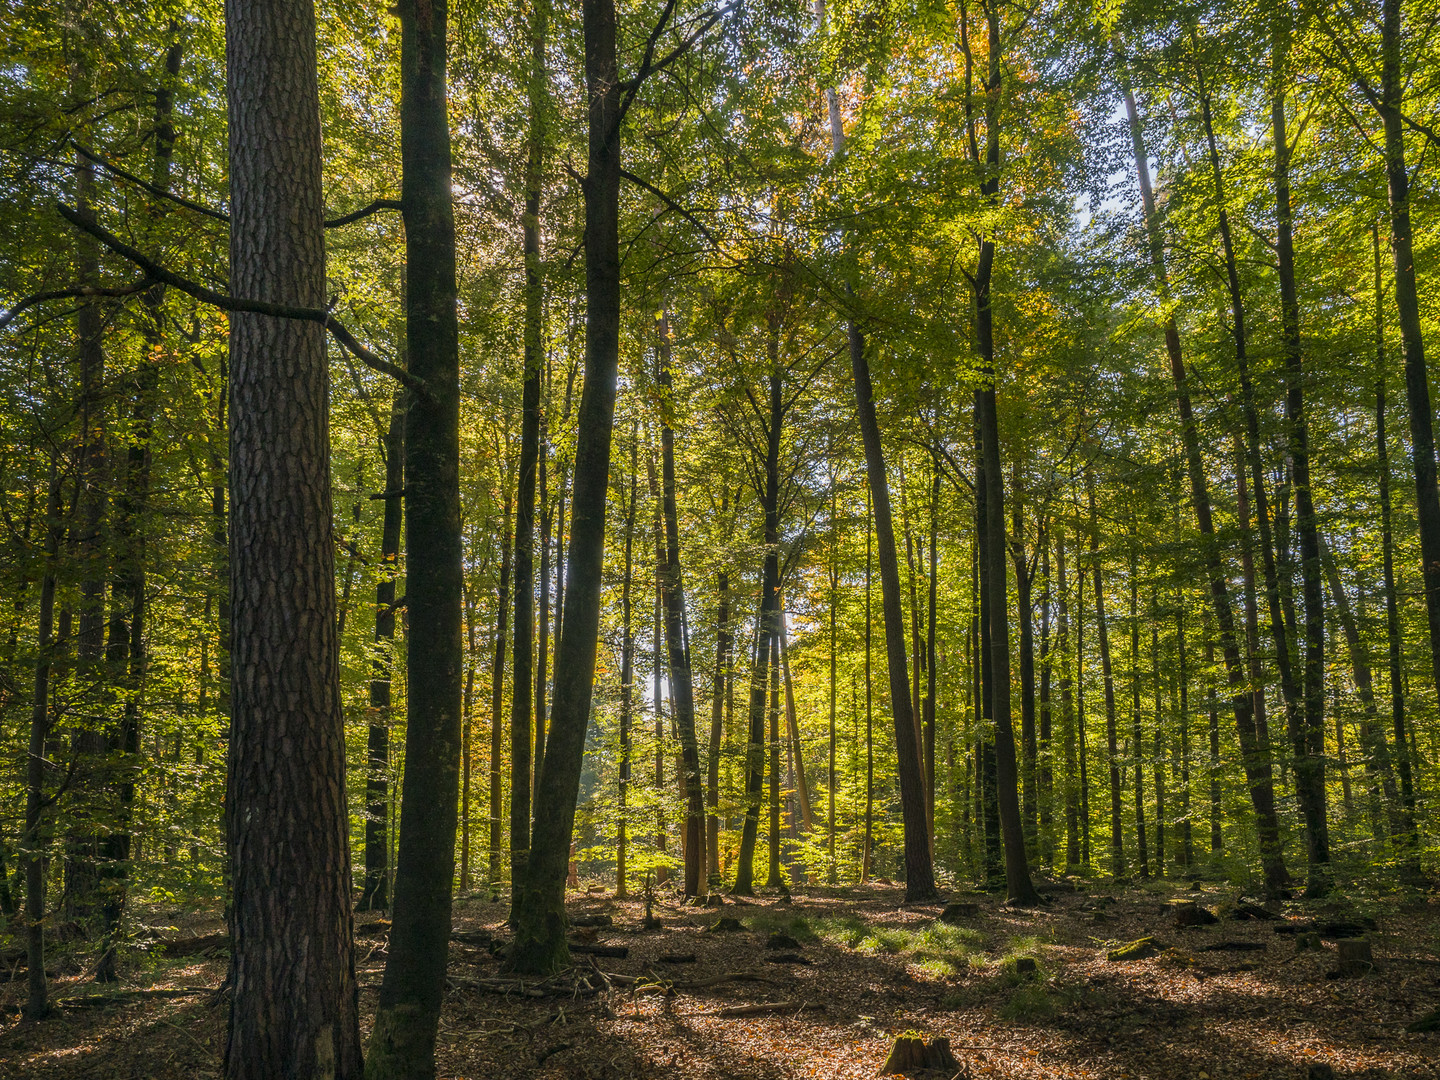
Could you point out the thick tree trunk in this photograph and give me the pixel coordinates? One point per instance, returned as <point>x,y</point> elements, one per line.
<point>540,906</point>
<point>292,969</point>
<point>402,1043</point>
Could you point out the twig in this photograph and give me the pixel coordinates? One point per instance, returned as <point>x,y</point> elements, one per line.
<point>762,1008</point>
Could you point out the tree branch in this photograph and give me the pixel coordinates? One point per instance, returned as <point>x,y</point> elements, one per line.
<point>356,215</point>
<point>158,192</point>
<point>160,275</point>
<point>672,204</point>
<point>7,317</point>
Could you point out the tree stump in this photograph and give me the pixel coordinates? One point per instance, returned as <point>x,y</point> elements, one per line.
<point>1188,913</point>
<point>911,1053</point>
<point>958,912</point>
<point>1355,956</point>
<point>1026,965</point>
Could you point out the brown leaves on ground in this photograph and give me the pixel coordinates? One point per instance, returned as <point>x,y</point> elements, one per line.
<point>1230,1001</point>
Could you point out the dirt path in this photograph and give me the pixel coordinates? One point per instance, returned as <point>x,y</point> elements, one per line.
<point>848,970</point>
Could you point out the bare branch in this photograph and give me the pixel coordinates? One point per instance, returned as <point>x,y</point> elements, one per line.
<point>356,215</point>
<point>230,303</point>
<point>158,192</point>
<point>7,317</point>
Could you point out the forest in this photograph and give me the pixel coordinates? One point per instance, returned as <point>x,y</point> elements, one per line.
<point>670,538</point>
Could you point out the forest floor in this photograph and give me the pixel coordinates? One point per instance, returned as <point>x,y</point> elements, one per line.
<point>1225,1001</point>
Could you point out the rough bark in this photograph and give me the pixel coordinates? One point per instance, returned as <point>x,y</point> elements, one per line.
<point>292,973</point>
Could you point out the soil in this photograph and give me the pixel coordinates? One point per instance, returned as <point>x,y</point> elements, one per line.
<point>1229,1001</point>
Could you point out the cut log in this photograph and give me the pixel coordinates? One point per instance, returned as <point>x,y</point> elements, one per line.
<point>204,945</point>
<point>1141,949</point>
<point>617,952</point>
<point>763,1007</point>
<point>910,1053</point>
<point>1187,913</point>
<point>592,920</point>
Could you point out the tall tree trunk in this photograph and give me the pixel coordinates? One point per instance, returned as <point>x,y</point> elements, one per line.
<point>865,865</point>
<point>407,1017</point>
<point>35,840</point>
<point>1407,311</point>
<point>1045,780</point>
<point>919,871</point>
<point>792,728</point>
<point>1025,610</point>
<point>627,669</point>
<point>128,617</point>
<point>1160,743</point>
<point>1067,713</point>
<point>375,895</point>
<point>1212,702</point>
<point>1080,715</point>
<point>521,719</point>
<point>1102,633</point>
<point>723,677</point>
<point>1308,738</point>
<point>767,621</point>
<point>1257,764</point>
<point>1182,675</point>
<point>774,879</point>
<point>676,636</point>
<point>1017,871</point>
<point>930,653</point>
<point>286,819</point>
<point>833,569</point>
<point>90,552</point>
<point>1304,724</point>
<point>1142,854</point>
<point>540,908</point>
<point>1411,853</point>
<point>1372,737</point>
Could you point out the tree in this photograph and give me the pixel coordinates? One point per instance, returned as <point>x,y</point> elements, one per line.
<point>286,816</point>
